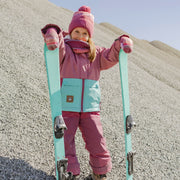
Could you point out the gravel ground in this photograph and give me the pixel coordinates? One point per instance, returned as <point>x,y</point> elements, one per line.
<point>27,152</point>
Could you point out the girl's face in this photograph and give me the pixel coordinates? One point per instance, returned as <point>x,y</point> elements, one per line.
<point>80,33</point>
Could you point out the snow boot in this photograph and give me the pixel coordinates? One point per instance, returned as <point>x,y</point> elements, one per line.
<point>75,177</point>
<point>99,176</point>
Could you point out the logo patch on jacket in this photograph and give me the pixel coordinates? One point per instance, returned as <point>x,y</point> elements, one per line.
<point>69,99</point>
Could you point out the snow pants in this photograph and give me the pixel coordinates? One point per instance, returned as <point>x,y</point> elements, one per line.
<point>91,128</point>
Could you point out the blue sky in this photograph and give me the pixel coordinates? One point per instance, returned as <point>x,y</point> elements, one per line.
<point>144,19</point>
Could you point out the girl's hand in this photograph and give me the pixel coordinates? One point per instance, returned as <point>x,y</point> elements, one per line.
<point>126,43</point>
<point>51,39</point>
<point>50,33</point>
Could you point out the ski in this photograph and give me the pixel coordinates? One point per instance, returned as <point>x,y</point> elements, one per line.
<point>128,121</point>
<point>53,77</point>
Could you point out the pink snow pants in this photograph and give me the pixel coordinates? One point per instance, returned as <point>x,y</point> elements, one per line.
<point>92,133</point>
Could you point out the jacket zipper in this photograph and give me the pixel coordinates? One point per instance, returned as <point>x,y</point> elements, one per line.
<point>82,95</point>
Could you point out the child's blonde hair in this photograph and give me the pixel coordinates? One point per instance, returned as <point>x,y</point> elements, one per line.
<point>92,53</point>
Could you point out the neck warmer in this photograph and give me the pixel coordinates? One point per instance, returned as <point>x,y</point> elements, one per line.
<point>77,45</point>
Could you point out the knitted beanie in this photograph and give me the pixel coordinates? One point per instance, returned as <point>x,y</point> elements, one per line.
<point>83,18</point>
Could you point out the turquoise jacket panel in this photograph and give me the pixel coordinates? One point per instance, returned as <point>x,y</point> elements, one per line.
<point>80,95</point>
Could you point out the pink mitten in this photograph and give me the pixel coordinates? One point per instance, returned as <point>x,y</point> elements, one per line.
<point>51,36</point>
<point>52,39</point>
<point>126,43</point>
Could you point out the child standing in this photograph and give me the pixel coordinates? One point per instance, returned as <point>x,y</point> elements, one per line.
<point>80,65</point>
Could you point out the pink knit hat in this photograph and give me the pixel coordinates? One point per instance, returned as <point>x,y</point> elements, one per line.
<point>83,18</point>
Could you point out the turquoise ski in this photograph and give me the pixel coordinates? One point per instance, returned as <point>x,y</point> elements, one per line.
<point>128,121</point>
<point>53,77</point>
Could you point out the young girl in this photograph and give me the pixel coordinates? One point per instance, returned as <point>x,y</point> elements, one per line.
<point>80,65</point>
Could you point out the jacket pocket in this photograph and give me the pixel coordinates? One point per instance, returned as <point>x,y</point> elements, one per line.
<point>71,91</point>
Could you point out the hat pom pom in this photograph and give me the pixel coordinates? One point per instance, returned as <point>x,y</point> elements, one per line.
<point>85,8</point>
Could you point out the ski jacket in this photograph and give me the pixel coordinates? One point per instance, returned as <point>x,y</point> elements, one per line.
<point>80,77</point>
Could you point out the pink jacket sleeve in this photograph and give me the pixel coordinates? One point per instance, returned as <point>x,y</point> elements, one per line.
<point>62,47</point>
<point>61,34</point>
<point>109,56</point>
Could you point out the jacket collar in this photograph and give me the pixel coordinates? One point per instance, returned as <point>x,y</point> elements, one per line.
<point>77,45</point>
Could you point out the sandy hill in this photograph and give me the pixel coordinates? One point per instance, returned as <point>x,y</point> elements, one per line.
<point>26,151</point>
